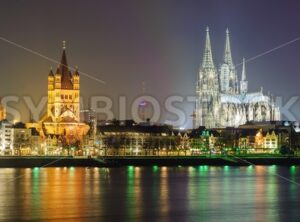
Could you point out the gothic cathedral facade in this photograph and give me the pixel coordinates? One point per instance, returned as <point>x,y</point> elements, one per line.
<point>222,100</point>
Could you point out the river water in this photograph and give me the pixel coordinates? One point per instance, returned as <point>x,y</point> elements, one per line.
<point>203,193</point>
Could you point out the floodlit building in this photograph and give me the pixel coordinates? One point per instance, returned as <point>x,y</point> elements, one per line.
<point>223,100</point>
<point>20,139</point>
<point>5,137</point>
<point>129,138</point>
<point>63,109</point>
<point>271,140</point>
<point>36,143</point>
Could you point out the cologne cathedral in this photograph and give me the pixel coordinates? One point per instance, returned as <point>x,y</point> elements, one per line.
<point>223,100</point>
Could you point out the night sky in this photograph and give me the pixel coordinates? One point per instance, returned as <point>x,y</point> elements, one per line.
<point>159,42</point>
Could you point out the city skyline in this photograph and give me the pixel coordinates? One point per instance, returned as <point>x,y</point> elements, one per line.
<point>146,47</point>
<point>150,110</point>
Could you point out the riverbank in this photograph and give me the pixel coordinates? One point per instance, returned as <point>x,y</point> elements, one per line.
<point>63,161</point>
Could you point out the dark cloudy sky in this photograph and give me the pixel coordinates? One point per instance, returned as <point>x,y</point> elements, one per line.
<point>126,42</point>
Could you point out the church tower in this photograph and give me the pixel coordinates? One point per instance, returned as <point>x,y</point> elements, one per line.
<point>63,90</point>
<point>228,77</point>
<point>63,109</point>
<point>207,89</point>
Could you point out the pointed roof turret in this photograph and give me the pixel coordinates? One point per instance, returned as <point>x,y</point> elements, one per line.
<point>76,72</point>
<point>244,82</point>
<point>244,70</point>
<point>66,80</point>
<point>51,72</point>
<point>227,51</point>
<point>57,70</point>
<point>207,57</point>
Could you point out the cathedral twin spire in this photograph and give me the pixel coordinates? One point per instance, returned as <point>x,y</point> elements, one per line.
<point>227,52</point>
<point>208,63</point>
<point>222,101</point>
<point>207,57</point>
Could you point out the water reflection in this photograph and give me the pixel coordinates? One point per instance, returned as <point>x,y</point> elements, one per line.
<point>164,192</point>
<point>254,193</point>
<point>133,194</point>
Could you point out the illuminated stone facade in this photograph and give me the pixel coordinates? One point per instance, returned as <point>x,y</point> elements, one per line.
<point>222,101</point>
<point>63,109</point>
<point>5,137</point>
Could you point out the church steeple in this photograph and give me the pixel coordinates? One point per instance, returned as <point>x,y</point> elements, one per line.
<point>66,79</point>
<point>244,82</point>
<point>227,51</point>
<point>244,71</point>
<point>207,89</point>
<point>207,57</point>
<point>63,62</point>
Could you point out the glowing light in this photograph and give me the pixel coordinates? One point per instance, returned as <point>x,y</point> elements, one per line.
<point>272,168</point>
<point>293,169</point>
<point>143,103</point>
<point>36,172</point>
<point>203,170</point>
<point>250,168</point>
<point>164,168</point>
<point>155,168</point>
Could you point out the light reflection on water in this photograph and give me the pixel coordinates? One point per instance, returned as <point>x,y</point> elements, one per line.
<point>205,193</point>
